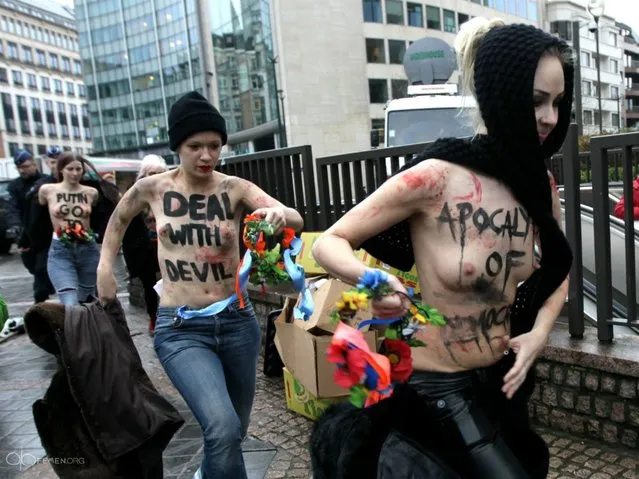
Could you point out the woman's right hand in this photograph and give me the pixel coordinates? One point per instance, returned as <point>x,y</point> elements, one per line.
<point>392,305</point>
<point>106,284</point>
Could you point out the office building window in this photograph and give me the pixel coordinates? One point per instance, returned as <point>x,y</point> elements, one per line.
<point>433,18</point>
<point>53,61</point>
<point>13,147</point>
<point>13,50</point>
<point>614,66</point>
<point>373,11</point>
<point>614,92</point>
<point>449,21</point>
<point>3,23</point>
<point>52,130</point>
<point>396,50</point>
<point>1,48</point>
<point>375,50</point>
<point>28,54</point>
<point>41,58</point>
<point>45,84</point>
<point>42,149</point>
<point>615,120</point>
<point>587,117</point>
<point>585,59</point>
<point>58,86</point>
<point>77,67</point>
<point>66,65</point>
<point>378,90</point>
<point>70,89</point>
<point>462,18</point>
<point>612,39</point>
<point>17,77</point>
<point>562,28</point>
<point>32,81</point>
<point>415,15</point>
<point>512,7</point>
<point>532,11</point>
<point>586,88</point>
<point>395,12</point>
<point>81,91</point>
<point>399,88</point>
<point>3,76</point>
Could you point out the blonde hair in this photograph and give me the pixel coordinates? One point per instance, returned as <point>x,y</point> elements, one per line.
<point>151,161</point>
<point>466,45</point>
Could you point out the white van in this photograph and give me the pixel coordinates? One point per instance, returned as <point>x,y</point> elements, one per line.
<point>428,113</point>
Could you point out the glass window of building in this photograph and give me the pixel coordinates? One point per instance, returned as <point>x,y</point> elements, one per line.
<point>399,88</point>
<point>562,28</point>
<point>373,11</point>
<point>449,21</point>
<point>3,76</point>
<point>378,90</point>
<point>47,39</point>
<point>614,66</point>
<point>57,85</point>
<point>375,50</point>
<point>512,7</point>
<point>53,61</point>
<point>12,26</point>
<point>3,23</point>
<point>41,58</point>
<point>32,81</point>
<point>532,11</point>
<point>433,18</point>
<point>521,8</point>
<point>615,120</point>
<point>395,12</point>
<point>81,91</point>
<point>614,92</point>
<point>77,67</point>
<point>17,77</point>
<point>396,50</point>
<point>1,48</point>
<point>18,28</point>
<point>28,54</point>
<point>13,50</point>
<point>586,88</point>
<point>42,149</point>
<point>612,39</point>
<point>45,84</point>
<point>35,104</point>
<point>585,59</point>
<point>66,65</point>
<point>462,18</point>
<point>70,88</point>
<point>415,15</point>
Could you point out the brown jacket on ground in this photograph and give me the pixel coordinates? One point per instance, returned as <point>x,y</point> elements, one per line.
<point>101,407</point>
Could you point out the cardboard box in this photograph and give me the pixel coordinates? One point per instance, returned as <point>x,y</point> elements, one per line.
<point>305,258</point>
<point>326,293</point>
<point>408,279</point>
<point>301,401</point>
<point>304,355</point>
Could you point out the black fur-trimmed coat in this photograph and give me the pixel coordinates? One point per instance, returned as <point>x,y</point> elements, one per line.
<point>101,408</point>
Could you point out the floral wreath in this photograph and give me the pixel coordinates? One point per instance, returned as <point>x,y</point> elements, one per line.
<point>267,267</point>
<point>75,234</point>
<point>369,375</point>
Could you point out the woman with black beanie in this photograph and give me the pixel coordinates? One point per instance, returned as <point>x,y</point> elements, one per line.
<point>468,213</point>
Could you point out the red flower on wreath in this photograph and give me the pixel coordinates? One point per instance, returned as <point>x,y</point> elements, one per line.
<point>399,356</point>
<point>289,236</point>
<point>351,363</point>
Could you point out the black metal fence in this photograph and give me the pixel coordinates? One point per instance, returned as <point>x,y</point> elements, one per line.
<point>323,189</point>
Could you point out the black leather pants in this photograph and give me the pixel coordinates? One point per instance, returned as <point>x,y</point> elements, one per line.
<point>467,437</point>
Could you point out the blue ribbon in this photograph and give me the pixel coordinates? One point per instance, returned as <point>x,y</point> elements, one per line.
<point>294,270</point>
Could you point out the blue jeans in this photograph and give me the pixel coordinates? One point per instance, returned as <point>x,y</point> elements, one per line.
<point>72,269</point>
<point>212,362</point>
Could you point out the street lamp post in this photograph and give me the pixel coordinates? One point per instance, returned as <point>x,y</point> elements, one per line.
<point>273,61</point>
<point>596,10</point>
<point>283,137</point>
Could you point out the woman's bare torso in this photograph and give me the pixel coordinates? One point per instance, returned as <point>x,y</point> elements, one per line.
<point>198,239</point>
<point>70,206</point>
<point>472,246</point>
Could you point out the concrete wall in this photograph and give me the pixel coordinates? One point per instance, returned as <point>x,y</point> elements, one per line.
<point>323,76</point>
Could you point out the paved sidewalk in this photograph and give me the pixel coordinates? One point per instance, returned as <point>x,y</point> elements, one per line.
<point>277,446</point>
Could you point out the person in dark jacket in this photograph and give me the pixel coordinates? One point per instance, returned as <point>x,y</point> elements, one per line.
<point>140,244</point>
<point>17,218</point>
<point>101,408</point>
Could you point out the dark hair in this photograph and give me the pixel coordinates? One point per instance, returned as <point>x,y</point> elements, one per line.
<point>64,159</point>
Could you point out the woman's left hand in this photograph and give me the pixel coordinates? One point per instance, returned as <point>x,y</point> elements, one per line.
<point>527,347</point>
<point>274,215</point>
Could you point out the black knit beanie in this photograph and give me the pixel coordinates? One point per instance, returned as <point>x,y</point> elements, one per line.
<point>193,114</point>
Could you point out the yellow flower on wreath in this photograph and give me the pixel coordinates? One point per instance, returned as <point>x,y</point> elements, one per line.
<point>352,300</point>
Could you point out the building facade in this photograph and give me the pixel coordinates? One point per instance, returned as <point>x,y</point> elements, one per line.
<point>631,75</point>
<point>560,16</point>
<point>43,94</point>
<point>138,58</point>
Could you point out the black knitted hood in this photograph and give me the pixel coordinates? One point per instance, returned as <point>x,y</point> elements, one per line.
<point>505,67</point>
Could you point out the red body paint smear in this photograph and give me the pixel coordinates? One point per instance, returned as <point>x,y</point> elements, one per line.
<point>207,257</point>
<point>473,195</point>
<point>414,180</point>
